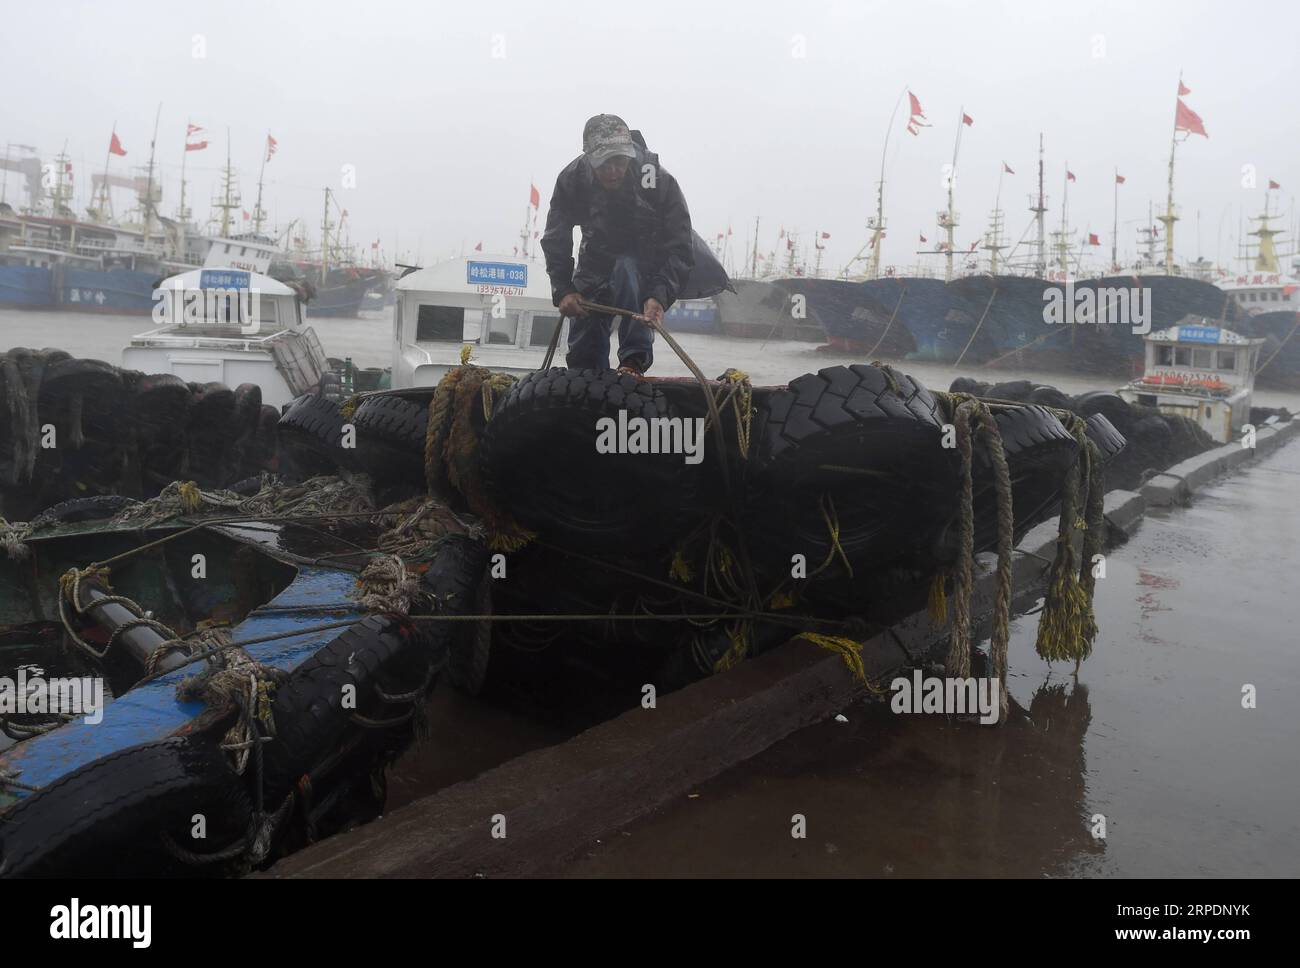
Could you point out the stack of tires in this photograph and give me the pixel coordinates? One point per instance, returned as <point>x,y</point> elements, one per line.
<point>77,427</point>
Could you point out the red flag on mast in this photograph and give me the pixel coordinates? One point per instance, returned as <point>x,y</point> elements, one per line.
<point>917,120</point>
<point>922,234</point>
<point>1183,89</point>
<point>196,146</point>
<point>967,120</point>
<point>1093,240</point>
<point>1272,184</point>
<point>479,247</point>
<point>1069,175</point>
<point>1007,168</point>
<point>1119,179</point>
<point>534,196</point>
<point>271,145</point>
<point>115,146</point>
<point>1185,119</point>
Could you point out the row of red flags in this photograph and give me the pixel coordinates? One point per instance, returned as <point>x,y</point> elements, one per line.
<point>115,144</point>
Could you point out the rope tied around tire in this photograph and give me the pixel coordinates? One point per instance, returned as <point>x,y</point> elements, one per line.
<point>738,391</point>
<point>970,416</point>
<point>462,404</point>
<point>1068,625</point>
<point>386,586</point>
<point>233,679</point>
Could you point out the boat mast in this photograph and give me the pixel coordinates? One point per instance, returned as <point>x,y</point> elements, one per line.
<point>1114,230</point>
<point>325,241</point>
<point>148,194</point>
<point>183,216</point>
<point>753,262</point>
<point>948,219</point>
<point>1266,256</point>
<point>1039,208</point>
<point>876,223</point>
<point>1170,217</point>
<point>230,199</point>
<point>1062,244</point>
<point>105,201</point>
<point>259,216</point>
<point>61,190</point>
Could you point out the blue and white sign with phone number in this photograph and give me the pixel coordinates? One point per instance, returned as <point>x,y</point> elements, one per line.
<point>497,274</point>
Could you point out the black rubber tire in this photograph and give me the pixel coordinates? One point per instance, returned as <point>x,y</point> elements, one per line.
<point>381,651</point>
<point>1039,450</point>
<point>96,508</point>
<point>539,460</point>
<point>1111,405</point>
<point>1014,390</point>
<point>390,438</point>
<point>248,405</point>
<point>104,819</point>
<point>311,723</point>
<point>1103,433</point>
<point>1048,396</point>
<point>458,579</point>
<point>310,434</point>
<point>848,417</point>
<point>103,394</point>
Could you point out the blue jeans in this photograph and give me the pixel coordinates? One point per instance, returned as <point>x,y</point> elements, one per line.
<point>589,335</point>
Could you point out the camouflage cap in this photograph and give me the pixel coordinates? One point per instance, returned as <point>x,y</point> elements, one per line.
<point>606,136</point>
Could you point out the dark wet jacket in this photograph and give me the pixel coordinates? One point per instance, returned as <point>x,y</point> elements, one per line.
<point>655,226</point>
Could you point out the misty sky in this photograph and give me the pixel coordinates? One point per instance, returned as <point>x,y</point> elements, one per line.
<point>445,137</point>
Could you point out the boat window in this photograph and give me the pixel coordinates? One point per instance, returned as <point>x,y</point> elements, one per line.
<point>1272,297</point>
<point>1227,360</point>
<point>1182,356</point>
<point>440,324</point>
<point>1164,355</point>
<point>266,308</point>
<point>1202,359</point>
<point>503,330</point>
<point>543,329</point>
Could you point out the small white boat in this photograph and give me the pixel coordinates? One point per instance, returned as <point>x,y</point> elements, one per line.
<point>231,326</point>
<point>1199,370</point>
<point>499,306</point>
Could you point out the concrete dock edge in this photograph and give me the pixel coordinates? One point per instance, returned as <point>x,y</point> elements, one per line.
<point>558,800</point>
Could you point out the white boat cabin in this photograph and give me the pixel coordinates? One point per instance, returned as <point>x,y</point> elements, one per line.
<point>1202,371</point>
<point>499,306</point>
<point>231,326</point>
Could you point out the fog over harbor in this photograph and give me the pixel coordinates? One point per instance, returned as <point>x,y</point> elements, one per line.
<point>780,111</point>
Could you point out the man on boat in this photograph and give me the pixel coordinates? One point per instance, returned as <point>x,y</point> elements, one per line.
<point>637,245</point>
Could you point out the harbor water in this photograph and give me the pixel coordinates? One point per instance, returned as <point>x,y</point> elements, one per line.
<point>368,341</point>
<point>1152,739</point>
